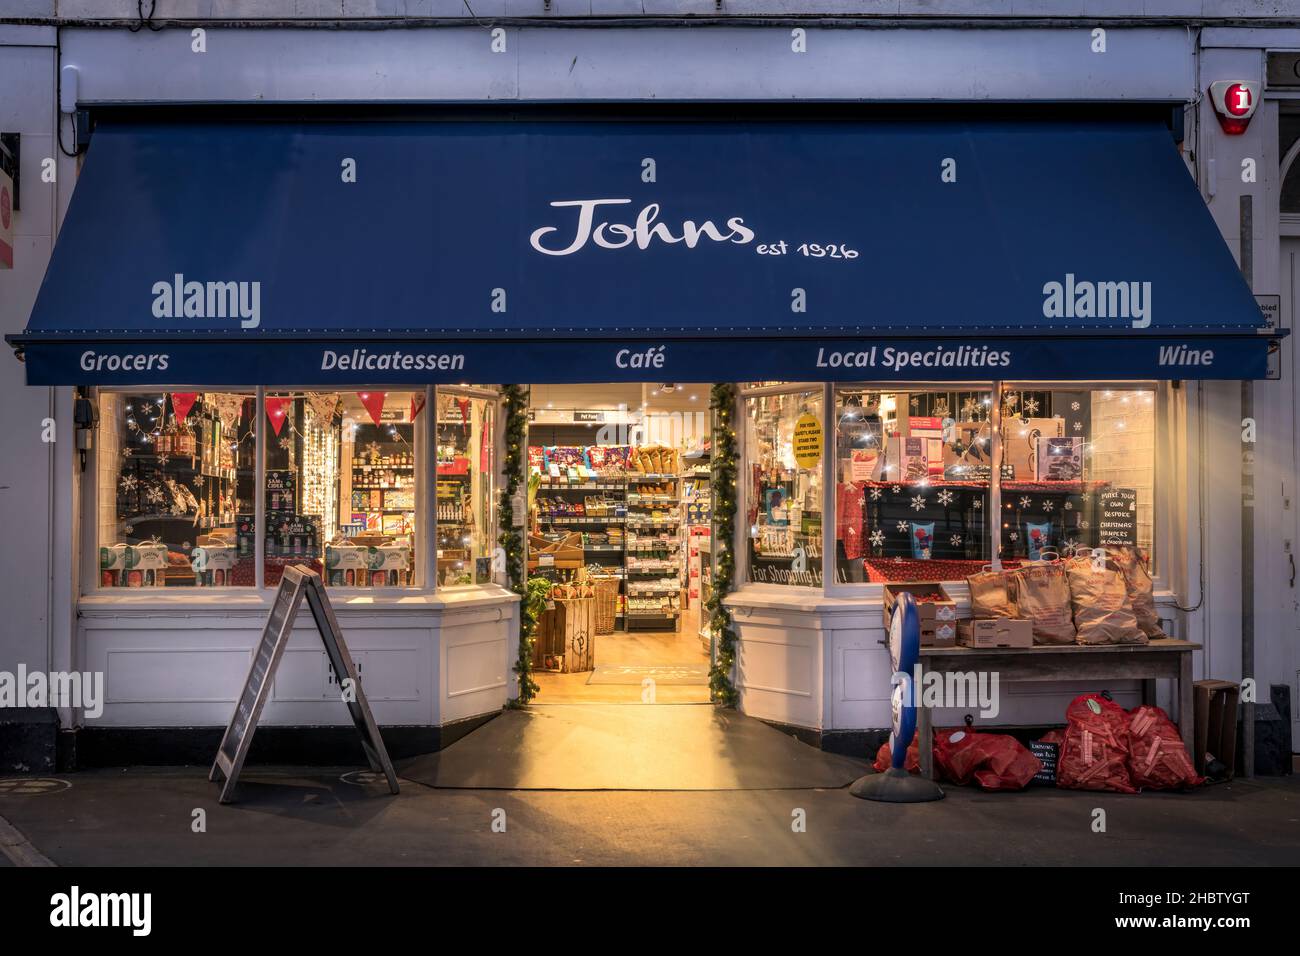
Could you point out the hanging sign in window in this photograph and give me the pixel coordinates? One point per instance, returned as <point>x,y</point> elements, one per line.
<point>807,441</point>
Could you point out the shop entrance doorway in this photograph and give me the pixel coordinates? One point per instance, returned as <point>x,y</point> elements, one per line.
<point>619,520</point>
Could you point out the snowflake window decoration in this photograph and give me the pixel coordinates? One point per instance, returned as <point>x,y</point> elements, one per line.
<point>1083,524</point>
<point>1048,506</point>
<point>955,541</point>
<point>896,489</point>
<point>286,443</point>
<point>877,537</point>
<point>1078,426</point>
<point>902,526</point>
<point>1025,501</point>
<point>945,497</point>
<point>1031,406</point>
<point>917,502</point>
<point>875,494</point>
<point>154,495</point>
<point>129,483</point>
<point>126,452</point>
<point>163,460</point>
<point>1015,536</point>
<point>1069,506</point>
<point>979,502</point>
<point>1074,406</point>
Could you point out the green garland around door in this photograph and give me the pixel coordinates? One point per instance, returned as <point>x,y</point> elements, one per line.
<point>723,403</point>
<point>511,538</point>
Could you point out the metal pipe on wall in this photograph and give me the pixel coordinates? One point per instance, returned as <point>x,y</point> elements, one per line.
<point>1247,513</point>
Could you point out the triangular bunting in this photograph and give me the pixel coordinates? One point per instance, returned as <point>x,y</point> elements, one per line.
<point>417,405</point>
<point>182,402</point>
<point>277,410</point>
<point>374,403</point>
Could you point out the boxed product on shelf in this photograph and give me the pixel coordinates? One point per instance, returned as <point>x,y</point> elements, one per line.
<point>909,458</point>
<point>1020,437</point>
<point>1058,459</point>
<point>213,564</point>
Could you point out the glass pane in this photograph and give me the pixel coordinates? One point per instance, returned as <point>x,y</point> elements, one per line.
<point>175,482</point>
<point>1084,469</point>
<point>912,476</point>
<point>340,486</point>
<point>785,447</point>
<point>465,499</point>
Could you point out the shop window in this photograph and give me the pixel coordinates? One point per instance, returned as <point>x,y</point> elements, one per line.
<point>464,499</point>
<point>783,433</point>
<point>175,486</point>
<point>1084,463</point>
<point>339,486</point>
<point>912,473</point>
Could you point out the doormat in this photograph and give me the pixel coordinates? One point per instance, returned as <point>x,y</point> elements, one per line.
<point>635,674</point>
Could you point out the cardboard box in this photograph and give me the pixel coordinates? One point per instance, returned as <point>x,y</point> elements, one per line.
<point>1020,437</point>
<point>938,609</point>
<point>1058,459</point>
<point>996,632</point>
<point>908,459</point>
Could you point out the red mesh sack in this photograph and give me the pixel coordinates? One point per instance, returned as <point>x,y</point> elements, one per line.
<point>884,758</point>
<point>1094,755</point>
<point>1157,758</point>
<point>994,761</point>
<point>948,747</point>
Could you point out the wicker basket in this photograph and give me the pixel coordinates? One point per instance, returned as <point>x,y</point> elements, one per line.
<point>606,605</point>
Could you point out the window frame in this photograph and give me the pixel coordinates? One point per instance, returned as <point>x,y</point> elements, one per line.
<point>425,538</point>
<point>1166,446</point>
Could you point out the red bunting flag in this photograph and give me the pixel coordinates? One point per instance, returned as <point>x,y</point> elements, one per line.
<point>374,403</point>
<point>277,410</point>
<point>417,404</point>
<point>182,402</point>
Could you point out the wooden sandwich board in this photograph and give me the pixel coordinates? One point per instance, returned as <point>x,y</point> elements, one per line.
<point>298,582</point>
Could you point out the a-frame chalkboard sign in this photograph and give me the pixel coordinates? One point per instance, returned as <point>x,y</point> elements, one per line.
<point>298,582</point>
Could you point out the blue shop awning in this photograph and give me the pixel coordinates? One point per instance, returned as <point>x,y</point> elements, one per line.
<point>376,253</point>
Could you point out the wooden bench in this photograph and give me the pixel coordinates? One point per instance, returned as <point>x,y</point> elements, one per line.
<point>1068,662</point>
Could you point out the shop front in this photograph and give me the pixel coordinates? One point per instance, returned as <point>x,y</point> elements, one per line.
<point>922,348</point>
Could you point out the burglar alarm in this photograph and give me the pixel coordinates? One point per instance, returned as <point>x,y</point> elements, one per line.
<point>1234,103</point>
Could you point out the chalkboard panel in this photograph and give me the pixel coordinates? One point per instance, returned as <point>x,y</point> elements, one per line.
<point>1117,517</point>
<point>297,582</point>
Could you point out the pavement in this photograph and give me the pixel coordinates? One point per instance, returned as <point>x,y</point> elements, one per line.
<point>311,817</point>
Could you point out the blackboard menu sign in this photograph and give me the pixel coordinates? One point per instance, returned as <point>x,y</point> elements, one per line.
<point>1117,517</point>
<point>1047,753</point>
<point>296,583</point>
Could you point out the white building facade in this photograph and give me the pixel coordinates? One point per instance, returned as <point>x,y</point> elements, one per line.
<point>436,661</point>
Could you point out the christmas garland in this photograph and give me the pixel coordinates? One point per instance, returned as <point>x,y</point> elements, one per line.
<point>511,538</point>
<point>723,403</point>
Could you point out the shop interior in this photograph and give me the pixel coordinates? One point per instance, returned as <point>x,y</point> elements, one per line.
<point>619,518</point>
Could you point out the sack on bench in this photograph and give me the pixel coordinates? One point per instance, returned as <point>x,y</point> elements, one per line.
<point>990,595</point>
<point>1043,596</point>
<point>1103,613</point>
<point>1133,564</point>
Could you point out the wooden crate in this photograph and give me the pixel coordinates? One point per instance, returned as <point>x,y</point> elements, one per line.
<point>566,636</point>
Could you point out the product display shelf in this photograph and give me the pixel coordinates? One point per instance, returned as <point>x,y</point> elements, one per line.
<point>652,602</point>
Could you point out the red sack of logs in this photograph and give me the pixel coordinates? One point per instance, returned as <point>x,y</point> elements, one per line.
<point>1157,758</point>
<point>885,758</point>
<point>1095,753</point>
<point>993,761</point>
